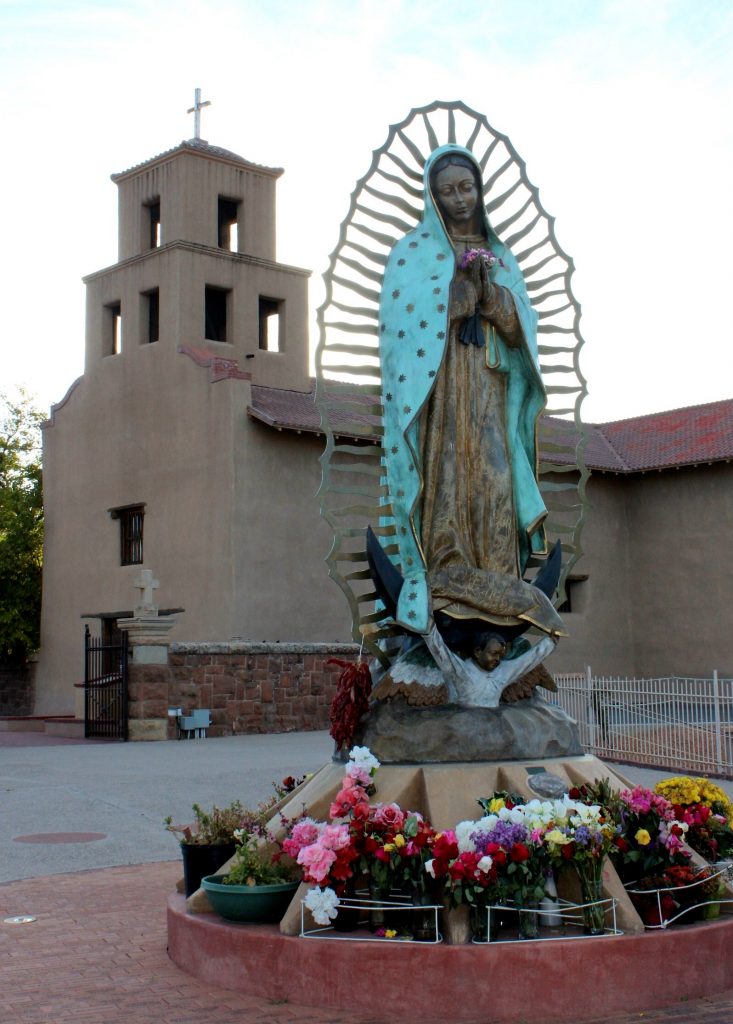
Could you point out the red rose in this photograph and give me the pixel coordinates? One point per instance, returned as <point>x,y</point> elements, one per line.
<point>445,848</point>
<point>440,867</point>
<point>567,851</point>
<point>621,843</point>
<point>574,793</point>
<point>519,853</point>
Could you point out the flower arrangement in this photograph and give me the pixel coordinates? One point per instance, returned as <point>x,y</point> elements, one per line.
<point>288,785</point>
<point>504,857</point>
<point>328,853</point>
<point>396,847</point>
<point>388,845</point>
<point>257,862</point>
<point>218,826</point>
<point>677,890</point>
<point>648,838</point>
<point>468,876</point>
<point>706,811</point>
<point>486,256</point>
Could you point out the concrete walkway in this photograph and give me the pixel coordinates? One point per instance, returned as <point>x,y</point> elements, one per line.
<point>96,952</point>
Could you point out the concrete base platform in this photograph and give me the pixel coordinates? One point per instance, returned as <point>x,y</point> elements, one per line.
<point>57,725</point>
<point>71,728</point>
<point>551,981</point>
<point>24,723</point>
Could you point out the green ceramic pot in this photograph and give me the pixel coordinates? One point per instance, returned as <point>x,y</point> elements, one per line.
<point>252,903</point>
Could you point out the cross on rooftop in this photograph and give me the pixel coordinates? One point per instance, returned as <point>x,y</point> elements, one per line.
<point>196,111</point>
<point>146,585</point>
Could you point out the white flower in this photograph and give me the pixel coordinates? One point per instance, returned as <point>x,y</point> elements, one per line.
<point>323,904</point>
<point>485,863</point>
<point>364,758</point>
<point>464,830</point>
<point>429,867</point>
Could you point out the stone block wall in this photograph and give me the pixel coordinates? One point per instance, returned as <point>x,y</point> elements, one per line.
<point>249,687</point>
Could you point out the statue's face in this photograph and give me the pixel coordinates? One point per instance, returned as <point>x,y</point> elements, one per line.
<point>457,196</point>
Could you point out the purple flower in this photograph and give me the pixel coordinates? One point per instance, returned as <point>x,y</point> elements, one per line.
<point>504,833</point>
<point>489,257</point>
<point>582,835</point>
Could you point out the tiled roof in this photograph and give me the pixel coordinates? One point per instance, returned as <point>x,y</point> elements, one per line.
<point>206,149</point>
<point>681,437</point>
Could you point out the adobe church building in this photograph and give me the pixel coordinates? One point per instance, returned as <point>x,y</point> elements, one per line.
<point>190,446</point>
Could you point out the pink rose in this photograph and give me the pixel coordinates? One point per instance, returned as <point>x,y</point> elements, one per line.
<point>302,834</point>
<point>388,816</point>
<point>359,775</point>
<point>335,837</point>
<point>317,861</point>
<point>345,801</point>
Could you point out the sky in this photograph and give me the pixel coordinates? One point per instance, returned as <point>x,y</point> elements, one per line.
<point>621,110</point>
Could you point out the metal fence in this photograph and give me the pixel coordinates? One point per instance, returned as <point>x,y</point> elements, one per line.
<point>676,723</point>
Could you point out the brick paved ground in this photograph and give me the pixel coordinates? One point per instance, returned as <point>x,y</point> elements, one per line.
<point>97,955</point>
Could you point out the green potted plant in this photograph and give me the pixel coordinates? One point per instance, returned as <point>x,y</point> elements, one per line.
<point>260,883</point>
<point>208,842</point>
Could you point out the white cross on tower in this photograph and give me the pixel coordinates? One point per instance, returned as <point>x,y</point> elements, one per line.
<point>146,585</point>
<point>196,111</point>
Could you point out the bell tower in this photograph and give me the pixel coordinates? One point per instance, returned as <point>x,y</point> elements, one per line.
<point>197,271</point>
<point>151,460</point>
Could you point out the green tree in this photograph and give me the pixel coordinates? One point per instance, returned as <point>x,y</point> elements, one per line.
<point>21,527</point>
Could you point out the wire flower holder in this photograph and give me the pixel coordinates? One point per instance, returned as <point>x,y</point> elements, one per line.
<point>572,919</point>
<point>654,904</point>
<point>398,912</point>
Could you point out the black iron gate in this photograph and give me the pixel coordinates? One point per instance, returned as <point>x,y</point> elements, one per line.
<point>105,686</point>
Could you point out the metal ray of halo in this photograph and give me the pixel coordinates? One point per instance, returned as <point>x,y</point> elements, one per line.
<point>348,389</point>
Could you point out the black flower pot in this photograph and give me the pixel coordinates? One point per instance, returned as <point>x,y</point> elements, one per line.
<point>200,860</point>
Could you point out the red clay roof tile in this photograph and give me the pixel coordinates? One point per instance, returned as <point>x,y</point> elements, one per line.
<point>680,437</point>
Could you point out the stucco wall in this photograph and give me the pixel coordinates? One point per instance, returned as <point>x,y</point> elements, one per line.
<point>681,543</point>
<point>657,554</point>
<point>600,622</point>
<point>232,528</point>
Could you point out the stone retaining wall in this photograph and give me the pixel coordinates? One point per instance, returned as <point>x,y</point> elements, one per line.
<point>249,687</point>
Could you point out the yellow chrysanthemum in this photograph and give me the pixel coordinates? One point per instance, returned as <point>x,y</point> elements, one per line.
<point>399,841</point>
<point>712,794</point>
<point>642,837</point>
<point>496,805</point>
<point>389,847</point>
<point>390,933</point>
<point>679,790</point>
<point>685,791</point>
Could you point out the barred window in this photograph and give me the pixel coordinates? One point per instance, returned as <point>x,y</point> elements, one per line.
<point>131,533</point>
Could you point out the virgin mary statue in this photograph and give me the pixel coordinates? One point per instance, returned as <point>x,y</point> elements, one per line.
<point>462,394</point>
